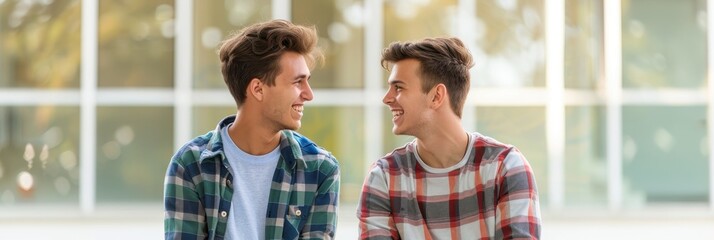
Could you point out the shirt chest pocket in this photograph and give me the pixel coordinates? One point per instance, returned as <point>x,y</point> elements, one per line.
<point>297,216</point>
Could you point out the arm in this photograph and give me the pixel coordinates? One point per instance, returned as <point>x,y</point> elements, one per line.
<point>374,209</point>
<point>517,210</point>
<point>184,215</point>
<point>322,222</point>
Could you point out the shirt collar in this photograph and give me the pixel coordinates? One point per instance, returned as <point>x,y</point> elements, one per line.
<point>290,145</point>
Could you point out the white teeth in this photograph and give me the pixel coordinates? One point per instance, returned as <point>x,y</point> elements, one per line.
<point>297,108</point>
<point>397,113</point>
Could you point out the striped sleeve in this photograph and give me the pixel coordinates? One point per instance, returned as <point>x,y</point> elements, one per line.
<point>373,210</point>
<point>518,213</point>
<point>184,215</point>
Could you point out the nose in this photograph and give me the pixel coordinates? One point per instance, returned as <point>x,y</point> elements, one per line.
<point>307,92</point>
<point>388,98</point>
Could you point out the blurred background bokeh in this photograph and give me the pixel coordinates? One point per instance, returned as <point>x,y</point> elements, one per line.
<point>610,100</point>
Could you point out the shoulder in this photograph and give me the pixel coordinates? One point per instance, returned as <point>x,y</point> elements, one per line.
<point>399,160</point>
<point>315,156</point>
<point>190,152</point>
<point>506,155</point>
<point>490,149</point>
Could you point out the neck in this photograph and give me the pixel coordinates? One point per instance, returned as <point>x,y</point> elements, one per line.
<point>251,136</point>
<point>444,145</point>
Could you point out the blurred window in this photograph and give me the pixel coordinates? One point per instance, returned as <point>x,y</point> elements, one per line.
<point>583,44</point>
<point>133,150</point>
<point>662,52</point>
<point>664,155</point>
<point>136,43</point>
<point>39,149</point>
<point>214,21</point>
<point>585,161</point>
<point>339,25</point>
<point>39,44</point>
<point>511,44</point>
<point>664,137</point>
<point>524,128</point>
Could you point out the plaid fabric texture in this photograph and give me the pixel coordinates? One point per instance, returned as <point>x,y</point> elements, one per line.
<point>493,196</point>
<point>303,196</point>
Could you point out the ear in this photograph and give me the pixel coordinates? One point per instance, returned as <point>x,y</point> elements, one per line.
<point>255,89</point>
<point>437,96</point>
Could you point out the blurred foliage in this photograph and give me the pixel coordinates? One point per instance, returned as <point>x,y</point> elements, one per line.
<point>39,48</point>
<point>213,22</point>
<point>413,20</point>
<point>43,142</point>
<point>510,26</point>
<point>511,34</point>
<point>136,43</point>
<point>132,155</point>
<point>341,41</point>
<point>40,43</point>
<point>583,48</point>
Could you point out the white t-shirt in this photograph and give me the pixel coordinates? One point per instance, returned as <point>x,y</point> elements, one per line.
<point>252,177</point>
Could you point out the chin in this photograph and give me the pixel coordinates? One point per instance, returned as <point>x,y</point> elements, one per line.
<point>397,131</point>
<point>293,126</point>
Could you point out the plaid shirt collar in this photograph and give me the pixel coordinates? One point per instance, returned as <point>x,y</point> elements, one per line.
<point>292,155</point>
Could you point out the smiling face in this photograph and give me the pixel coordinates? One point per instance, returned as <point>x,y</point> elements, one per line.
<point>405,98</point>
<point>283,105</point>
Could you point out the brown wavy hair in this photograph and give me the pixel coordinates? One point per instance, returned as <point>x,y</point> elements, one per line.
<point>254,52</point>
<point>442,60</point>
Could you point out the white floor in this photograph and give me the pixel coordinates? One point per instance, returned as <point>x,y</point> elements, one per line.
<point>124,224</point>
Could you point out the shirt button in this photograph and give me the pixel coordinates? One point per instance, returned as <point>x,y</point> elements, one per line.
<point>224,214</point>
<point>298,212</point>
<point>229,183</point>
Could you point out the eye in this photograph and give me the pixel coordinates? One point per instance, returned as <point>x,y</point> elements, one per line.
<point>397,88</point>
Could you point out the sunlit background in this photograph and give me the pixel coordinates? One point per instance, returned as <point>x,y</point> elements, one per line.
<point>608,99</point>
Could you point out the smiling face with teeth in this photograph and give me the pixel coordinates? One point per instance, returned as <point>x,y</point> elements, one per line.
<point>405,98</point>
<point>282,107</point>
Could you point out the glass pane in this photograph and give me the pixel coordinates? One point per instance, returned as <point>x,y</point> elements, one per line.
<point>511,40</point>
<point>134,146</point>
<point>205,119</point>
<point>583,43</point>
<point>340,27</point>
<point>40,44</point>
<point>340,130</point>
<point>213,21</point>
<point>39,155</point>
<point>585,157</point>
<point>434,19</point>
<point>664,51</point>
<point>523,127</point>
<point>664,154</point>
<point>136,43</point>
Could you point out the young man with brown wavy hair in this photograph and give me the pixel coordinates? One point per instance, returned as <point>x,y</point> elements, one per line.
<point>254,177</point>
<point>447,183</point>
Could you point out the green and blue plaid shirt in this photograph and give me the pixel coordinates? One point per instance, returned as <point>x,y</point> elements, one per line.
<point>303,196</point>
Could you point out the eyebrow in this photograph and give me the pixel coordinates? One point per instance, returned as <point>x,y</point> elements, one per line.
<point>397,81</point>
<point>303,76</point>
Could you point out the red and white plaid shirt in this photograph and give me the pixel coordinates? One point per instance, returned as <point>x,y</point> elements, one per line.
<point>490,194</point>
